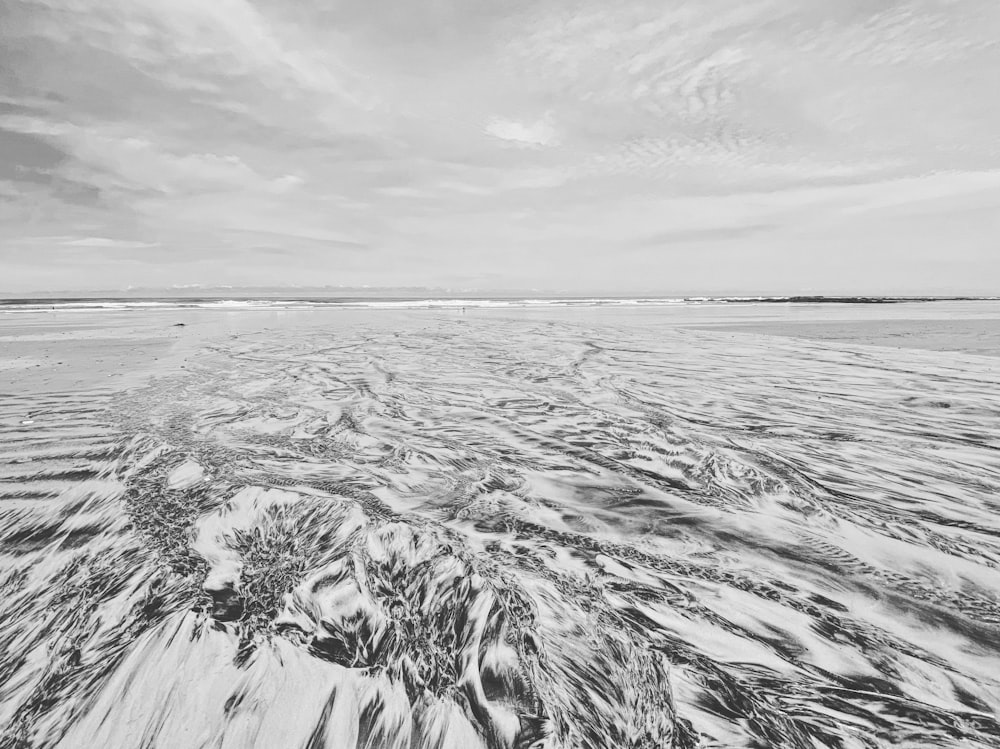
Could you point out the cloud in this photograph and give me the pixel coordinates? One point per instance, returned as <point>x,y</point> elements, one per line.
<point>25,156</point>
<point>105,242</point>
<point>710,234</point>
<point>534,134</point>
<point>287,183</point>
<point>503,141</point>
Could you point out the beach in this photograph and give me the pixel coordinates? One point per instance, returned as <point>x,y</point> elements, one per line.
<point>691,525</point>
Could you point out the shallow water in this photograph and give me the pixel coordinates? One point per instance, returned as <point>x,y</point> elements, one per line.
<point>506,531</point>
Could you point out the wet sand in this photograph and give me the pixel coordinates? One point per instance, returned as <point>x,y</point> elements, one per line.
<point>556,528</point>
<point>58,352</point>
<point>976,336</point>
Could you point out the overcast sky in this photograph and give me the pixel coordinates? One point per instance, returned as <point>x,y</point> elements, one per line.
<point>749,146</point>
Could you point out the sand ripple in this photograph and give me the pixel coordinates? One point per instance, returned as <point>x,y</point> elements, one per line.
<point>507,533</point>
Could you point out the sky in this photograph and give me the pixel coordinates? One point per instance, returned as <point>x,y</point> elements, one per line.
<point>712,146</point>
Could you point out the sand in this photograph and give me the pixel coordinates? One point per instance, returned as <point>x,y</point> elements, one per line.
<point>981,337</point>
<point>552,528</point>
<point>57,353</point>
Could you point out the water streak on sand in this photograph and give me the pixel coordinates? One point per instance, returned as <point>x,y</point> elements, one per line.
<point>507,533</point>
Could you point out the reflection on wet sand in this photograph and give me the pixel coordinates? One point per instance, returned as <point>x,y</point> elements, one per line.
<point>503,532</point>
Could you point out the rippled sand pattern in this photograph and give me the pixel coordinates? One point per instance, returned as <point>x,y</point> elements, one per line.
<point>508,533</point>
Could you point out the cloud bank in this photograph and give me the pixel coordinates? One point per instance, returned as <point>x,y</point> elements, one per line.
<point>673,147</point>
